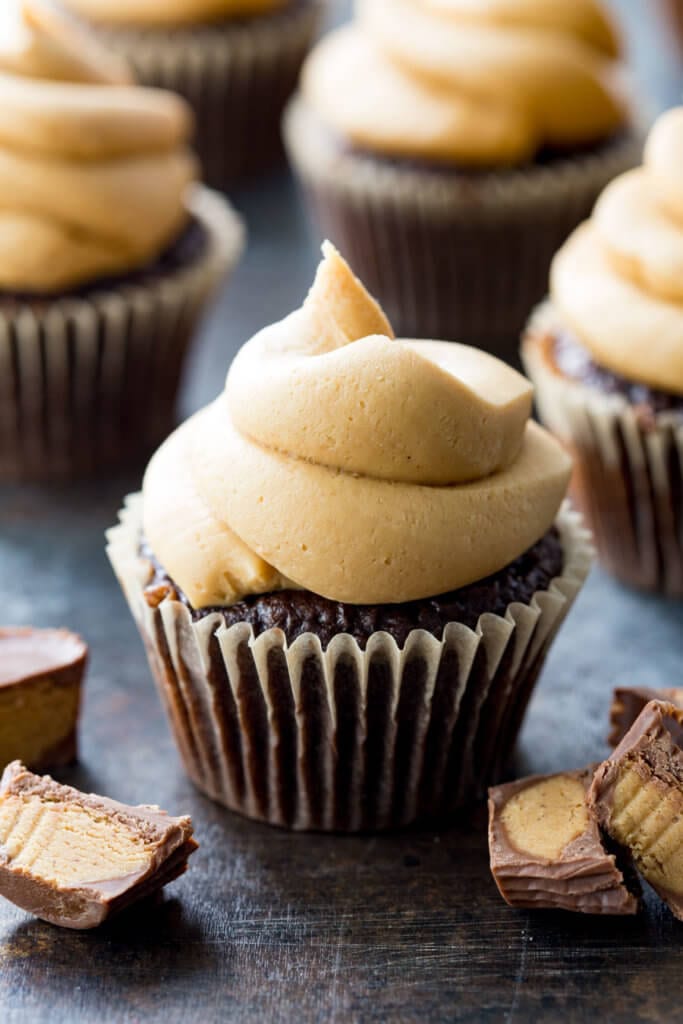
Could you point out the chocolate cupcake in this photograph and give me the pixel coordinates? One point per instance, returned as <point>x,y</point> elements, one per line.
<point>449,153</point>
<point>348,569</point>
<point>606,355</point>
<point>236,62</point>
<point>109,251</point>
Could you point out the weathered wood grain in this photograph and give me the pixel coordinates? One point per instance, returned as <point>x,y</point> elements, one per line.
<point>268,926</point>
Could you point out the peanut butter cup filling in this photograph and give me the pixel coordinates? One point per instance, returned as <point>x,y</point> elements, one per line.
<point>637,795</point>
<point>73,859</point>
<point>41,673</point>
<point>547,851</point>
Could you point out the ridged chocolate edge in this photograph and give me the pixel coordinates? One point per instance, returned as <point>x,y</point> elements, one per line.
<point>653,748</point>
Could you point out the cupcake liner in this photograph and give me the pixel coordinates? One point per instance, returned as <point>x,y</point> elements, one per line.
<point>628,477</point>
<point>345,739</point>
<point>237,76</point>
<point>449,255</point>
<point>88,383</point>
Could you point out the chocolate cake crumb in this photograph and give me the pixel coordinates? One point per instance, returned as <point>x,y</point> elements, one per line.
<point>299,611</point>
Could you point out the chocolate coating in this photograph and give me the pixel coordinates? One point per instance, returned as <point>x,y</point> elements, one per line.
<point>299,611</point>
<point>629,701</point>
<point>584,878</point>
<point>651,752</point>
<point>87,905</point>
<point>41,675</point>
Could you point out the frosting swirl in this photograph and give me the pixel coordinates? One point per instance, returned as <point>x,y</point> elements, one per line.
<point>469,82</point>
<point>341,460</point>
<point>94,170</point>
<point>146,13</point>
<point>618,281</point>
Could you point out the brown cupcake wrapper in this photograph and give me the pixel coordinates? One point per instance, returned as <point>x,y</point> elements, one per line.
<point>345,739</point>
<point>455,256</point>
<point>89,383</point>
<point>236,75</point>
<point>628,477</point>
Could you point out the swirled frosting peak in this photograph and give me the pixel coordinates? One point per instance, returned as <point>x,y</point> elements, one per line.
<point>361,467</point>
<point>467,81</point>
<point>146,13</point>
<point>618,281</point>
<point>93,169</point>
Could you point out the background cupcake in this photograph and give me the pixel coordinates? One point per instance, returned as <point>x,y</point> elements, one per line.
<point>345,570</point>
<point>606,355</point>
<point>449,152</point>
<point>235,61</point>
<point>108,251</point>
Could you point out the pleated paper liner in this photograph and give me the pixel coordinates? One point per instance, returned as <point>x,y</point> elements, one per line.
<point>456,256</point>
<point>237,75</point>
<point>344,739</point>
<point>628,477</point>
<point>90,383</point>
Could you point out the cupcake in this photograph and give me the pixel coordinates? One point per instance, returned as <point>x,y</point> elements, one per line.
<point>449,151</point>
<point>606,355</point>
<point>348,569</point>
<point>236,62</point>
<point>109,251</point>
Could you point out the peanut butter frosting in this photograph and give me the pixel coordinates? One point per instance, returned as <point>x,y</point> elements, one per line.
<point>618,281</point>
<point>344,461</point>
<point>467,82</point>
<point>94,170</point>
<point>147,13</point>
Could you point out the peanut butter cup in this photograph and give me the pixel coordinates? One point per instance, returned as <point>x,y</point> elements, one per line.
<point>629,701</point>
<point>41,672</point>
<point>75,859</point>
<point>546,849</point>
<point>637,795</point>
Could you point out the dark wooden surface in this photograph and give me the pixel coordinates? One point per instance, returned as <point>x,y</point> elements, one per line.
<point>268,926</point>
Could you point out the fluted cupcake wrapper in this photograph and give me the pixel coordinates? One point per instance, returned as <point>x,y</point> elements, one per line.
<point>237,75</point>
<point>628,476</point>
<point>345,739</point>
<point>89,383</point>
<point>449,255</point>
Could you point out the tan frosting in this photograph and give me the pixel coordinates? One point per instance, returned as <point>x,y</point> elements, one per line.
<point>354,465</point>
<point>480,83</point>
<point>618,281</point>
<point>168,12</point>
<point>93,171</point>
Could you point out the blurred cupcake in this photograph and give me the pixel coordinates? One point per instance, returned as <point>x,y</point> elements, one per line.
<point>449,151</point>
<point>236,62</point>
<point>606,355</point>
<point>108,251</point>
<point>348,569</point>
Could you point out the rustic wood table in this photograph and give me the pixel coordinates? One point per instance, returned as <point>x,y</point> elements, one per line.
<point>268,926</point>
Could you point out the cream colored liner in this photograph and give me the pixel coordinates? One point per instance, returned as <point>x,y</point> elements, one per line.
<point>86,382</point>
<point>456,256</point>
<point>628,470</point>
<point>237,75</point>
<point>345,739</point>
